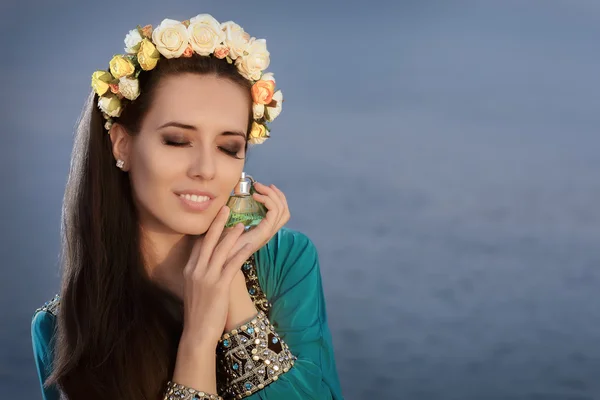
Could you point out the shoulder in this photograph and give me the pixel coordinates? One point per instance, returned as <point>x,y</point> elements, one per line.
<point>51,307</point>
<point>43,328</point>
<point>44,319</point>
<point>289,241</point>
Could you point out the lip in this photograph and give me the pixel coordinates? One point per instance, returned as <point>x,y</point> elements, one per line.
<point>193,205</point>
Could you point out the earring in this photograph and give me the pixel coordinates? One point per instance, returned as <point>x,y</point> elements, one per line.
<point>120,163</point>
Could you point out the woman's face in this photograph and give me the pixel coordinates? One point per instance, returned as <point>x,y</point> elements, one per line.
<point>191,142</point>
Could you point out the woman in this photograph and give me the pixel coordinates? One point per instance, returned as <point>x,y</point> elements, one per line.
<point>158,300</point>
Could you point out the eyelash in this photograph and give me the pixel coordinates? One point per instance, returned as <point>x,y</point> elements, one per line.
<point>184,144</point>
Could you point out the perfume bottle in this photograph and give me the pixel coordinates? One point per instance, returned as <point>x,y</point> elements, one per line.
<point>243,207</point>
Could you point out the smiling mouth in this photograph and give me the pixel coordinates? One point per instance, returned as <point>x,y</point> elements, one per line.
<point>194,198</point>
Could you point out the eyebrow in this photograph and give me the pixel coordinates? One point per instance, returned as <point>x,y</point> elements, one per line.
<point>193,128</point>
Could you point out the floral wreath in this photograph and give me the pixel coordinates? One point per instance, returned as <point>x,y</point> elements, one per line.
<point>202,35</point>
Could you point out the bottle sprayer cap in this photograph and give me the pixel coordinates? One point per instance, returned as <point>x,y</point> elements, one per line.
<point>243,186</point>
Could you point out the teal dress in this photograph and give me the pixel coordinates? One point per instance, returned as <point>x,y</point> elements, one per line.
<point>288,272</point>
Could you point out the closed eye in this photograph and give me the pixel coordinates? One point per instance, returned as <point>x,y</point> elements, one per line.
<point>232,153</point>
<point>176,144</point>
<point>229,152</point>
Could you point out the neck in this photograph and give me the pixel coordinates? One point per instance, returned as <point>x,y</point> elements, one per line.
<point>165,256</point>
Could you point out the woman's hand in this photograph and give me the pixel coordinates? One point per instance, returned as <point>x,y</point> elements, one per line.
<point>241,307</point>
<point>207,276</point>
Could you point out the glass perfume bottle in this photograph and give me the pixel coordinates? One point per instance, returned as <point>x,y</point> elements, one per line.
<point>243,207</point>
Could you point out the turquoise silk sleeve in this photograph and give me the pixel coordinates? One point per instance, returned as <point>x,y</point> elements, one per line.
<point>289,274</point>
<point>42,330</point>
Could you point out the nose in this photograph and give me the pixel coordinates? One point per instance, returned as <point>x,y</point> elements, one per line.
<point>203,164</point>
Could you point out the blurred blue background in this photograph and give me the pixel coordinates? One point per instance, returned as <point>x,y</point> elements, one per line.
<point>442,155</point>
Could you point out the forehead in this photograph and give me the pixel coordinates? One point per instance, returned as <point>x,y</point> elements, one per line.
<point>205,101</point>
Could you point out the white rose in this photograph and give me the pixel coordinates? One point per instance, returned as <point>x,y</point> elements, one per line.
<point>205,34</point>
<point>171,38</point>
<point>235,38</point>
<point>258,110</point>
<point>132,41</point>
<point>129,88</point>
<point>268,77</point>
<point>273,112</point>
<point>257,60</point>
<point>110,105</point>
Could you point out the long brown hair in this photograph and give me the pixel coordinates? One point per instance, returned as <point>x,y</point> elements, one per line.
<point>118,332</point>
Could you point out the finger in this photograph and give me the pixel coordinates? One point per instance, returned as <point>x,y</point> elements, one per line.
<point>269,202</point>
<point>264,189</point>
<point>286,209</point>
<point>212,236</point>
<point>194,254</point>
<point>219,256</point>
<point>235,263</point>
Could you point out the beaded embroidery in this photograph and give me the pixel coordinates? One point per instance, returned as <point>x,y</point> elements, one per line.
<point>256,294</point>
<point>250,358</point>
<point>176,391</point>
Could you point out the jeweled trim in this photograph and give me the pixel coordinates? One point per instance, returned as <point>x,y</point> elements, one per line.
<point>175,391</point>
<point>252,285</point>
<point>250,358</point>
<point>51,306</point>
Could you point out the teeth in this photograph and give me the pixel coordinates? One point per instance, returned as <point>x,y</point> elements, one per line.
<point>193,197</point>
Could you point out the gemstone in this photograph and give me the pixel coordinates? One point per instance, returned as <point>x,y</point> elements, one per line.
<point>250,330</point>
<point>275,340</point>
<point>236,366</point>
<point>252,291</point>
<point>244,339</point>
<point>226,343</point>
<point>247,267</point>
<point>248,385</point>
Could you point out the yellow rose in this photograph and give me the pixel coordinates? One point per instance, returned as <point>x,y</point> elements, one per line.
<point>258,134</point>
<point>100,82</point>
<point>147,56</point>
<point>121,66</point>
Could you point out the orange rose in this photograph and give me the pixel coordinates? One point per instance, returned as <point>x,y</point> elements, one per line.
<point>221,52</point>
<point>188,52</point>
<point>147,31</point>
<point>262,92</point>
<point>114,88</point>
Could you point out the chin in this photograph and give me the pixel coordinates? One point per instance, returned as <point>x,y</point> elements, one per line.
<point>192,225</point>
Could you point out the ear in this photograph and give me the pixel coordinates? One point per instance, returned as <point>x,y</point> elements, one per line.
<point>121,144</point>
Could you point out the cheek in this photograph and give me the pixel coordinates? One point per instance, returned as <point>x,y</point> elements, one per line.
<point>230,173</point>
<point>153,173</point>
